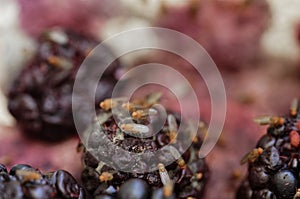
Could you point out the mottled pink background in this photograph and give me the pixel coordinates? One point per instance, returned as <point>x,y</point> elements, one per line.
<point>266,86</point>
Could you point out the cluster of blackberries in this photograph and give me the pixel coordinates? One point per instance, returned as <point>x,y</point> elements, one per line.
<point>274,165</point>
<point>41,102</point>
<point>41,97</point>
<point>23,181</point>
<point>112,173</point>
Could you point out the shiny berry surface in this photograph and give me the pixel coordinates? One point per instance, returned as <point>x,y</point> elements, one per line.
<point>274,173</point>
<point>40,98</point>
<point>25,182</point>
<point>186,176</point>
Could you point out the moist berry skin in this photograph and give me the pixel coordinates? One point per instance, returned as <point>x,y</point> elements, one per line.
<point>26,182</point>
<point>103,181</point>
<point>40,98</point>
<point>274,173</point>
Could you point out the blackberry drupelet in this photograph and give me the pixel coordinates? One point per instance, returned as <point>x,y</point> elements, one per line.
<point>274,165</point>
<point>25,182</point>
<point>41,97</point>
<point>185,177</point>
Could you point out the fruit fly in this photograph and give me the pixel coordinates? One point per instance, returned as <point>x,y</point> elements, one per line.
<point>29,175</point>
<point>108,104</point>
<point>149,100</point>
<point>60,62</point>
<point>180,161</point>
<point>252,156</point>
<point>152,99</point>
<point>106,176</point>
<point>294,107</point>
<point>135,129</point>
<point>131,106</point>
<point>267,120</point>
<point>165,179</point>
<point>139,114</point>
<point>173,128</point>
<point>196,133</point>
<point>163,173</point>
<point>175,153</point>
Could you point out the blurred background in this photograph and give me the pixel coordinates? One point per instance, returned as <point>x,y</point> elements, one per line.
<point>254,43</point>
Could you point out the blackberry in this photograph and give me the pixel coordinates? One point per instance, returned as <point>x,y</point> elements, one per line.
<point>41,97</point>
<point>24,181</point>
<point>184,177</point>
<point>274,165</point>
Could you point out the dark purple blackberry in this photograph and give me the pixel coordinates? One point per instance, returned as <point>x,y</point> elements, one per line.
<point>274,165</point>
<point>184,177</point>
<point>41,97</point>
<point>23,181</point>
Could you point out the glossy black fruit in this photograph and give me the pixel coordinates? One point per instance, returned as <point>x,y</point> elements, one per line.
<point>41,97</point>
<point>186,176</point>
<point>273,171</point>
<point>25,182</point>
